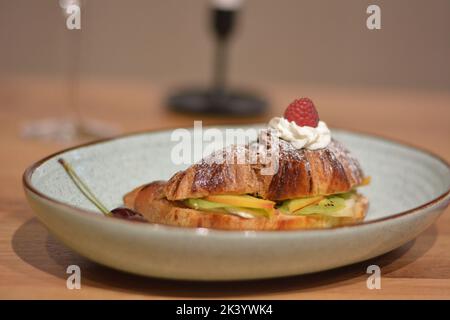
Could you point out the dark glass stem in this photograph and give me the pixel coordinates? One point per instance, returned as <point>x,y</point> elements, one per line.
<point>223,23</point>
<point>220,65</point>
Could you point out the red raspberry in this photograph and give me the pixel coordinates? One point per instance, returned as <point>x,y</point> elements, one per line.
<point>303,112</point>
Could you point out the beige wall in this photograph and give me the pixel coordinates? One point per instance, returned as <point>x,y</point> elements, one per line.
<point>284,41</point>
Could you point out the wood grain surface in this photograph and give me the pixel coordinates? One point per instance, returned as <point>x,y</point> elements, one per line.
<point>33,263</point>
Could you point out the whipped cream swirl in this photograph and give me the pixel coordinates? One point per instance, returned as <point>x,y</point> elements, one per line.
<point>301,137</point>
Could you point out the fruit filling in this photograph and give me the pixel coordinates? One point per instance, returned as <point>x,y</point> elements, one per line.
<point>247,206</point>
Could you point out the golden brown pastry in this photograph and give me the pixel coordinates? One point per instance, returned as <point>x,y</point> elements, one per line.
<point>312,182</point>
<point>301,173</point>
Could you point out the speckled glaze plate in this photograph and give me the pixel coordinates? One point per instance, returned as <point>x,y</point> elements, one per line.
<point>409,189</point>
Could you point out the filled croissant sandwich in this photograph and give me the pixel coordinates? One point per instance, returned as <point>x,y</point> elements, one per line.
<point>294,176</point>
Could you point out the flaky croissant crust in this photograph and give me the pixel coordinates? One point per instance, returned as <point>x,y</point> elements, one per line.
<point>301,173</point>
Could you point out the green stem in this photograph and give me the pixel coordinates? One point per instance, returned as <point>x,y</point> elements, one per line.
<point>83,187</point>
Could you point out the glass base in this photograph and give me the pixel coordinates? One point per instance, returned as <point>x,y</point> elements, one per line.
<point>217,102</point>
<point>66,130</point>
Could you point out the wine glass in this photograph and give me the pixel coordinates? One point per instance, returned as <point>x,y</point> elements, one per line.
<point>74,126</point>
<point>218,98</point>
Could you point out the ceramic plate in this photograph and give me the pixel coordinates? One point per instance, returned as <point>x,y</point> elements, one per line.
<point>409,189</point>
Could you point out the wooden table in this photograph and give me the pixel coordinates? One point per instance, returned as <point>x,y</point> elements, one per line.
<point>33,263</point>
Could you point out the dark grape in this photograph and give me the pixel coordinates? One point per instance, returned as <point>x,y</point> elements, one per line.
<point>127,214</point>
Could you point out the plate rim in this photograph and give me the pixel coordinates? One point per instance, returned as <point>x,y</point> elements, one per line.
<point>29,171</point>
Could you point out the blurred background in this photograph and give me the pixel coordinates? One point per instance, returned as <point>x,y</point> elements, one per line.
<point>131,55</point>
<point>283,41</point>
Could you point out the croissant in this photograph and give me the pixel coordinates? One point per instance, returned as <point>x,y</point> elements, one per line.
<point>300,174</point>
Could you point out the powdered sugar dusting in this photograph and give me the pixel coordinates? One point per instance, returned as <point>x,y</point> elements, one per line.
<point>344,156</point>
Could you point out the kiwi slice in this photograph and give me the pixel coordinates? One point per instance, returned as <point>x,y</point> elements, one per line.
<point>293,205</point>
<point>326,206</point>
<point>346,195</point>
